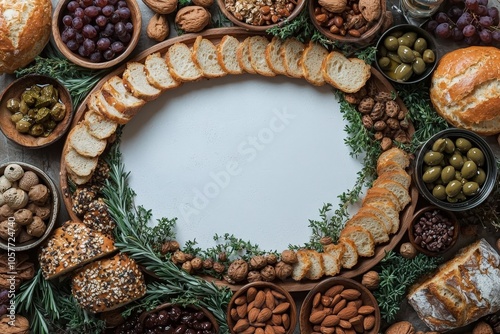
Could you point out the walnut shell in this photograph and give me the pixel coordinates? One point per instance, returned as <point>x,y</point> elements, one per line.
<point>407,250</point>
<point>289,256</point>
<point>203,3</point>
<point>238,270</point>
<point>158,28</point>
<point>254,276</point>
<point>268,273</point>
<point>23,216</point>
<point>39,194</point>
<point>9,229</point>
<point>258,262</point>
<point>21,325</point>
<point>192,18</point>
<point>15,198</point>
<point>4,184</point>
<point>402,327</point>
<point>334,6</point>
<point>5,212</point>
<point>371,10</point>
<point>283,270</point>
<point>37,227</point>
<point>28,180</point>
<point>162,6</point>
<point>13,172</point>
<point>371,280</point>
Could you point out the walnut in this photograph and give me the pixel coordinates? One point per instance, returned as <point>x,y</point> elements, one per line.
<point>383,97</point>
<point>37,227</point>
<point>371,280</point>
<point>271,258</point>
<point>21,325</point>
<point>179,257</point>
<point>393,123</point>
<point>203,3</point>
<point>378,111</point>
<point>15,198</point>
<point>187,267</point>
<point>371,10</point>
<point>289,256</point>
<point>402,327</point>
<point>39,194</point>
<point>5,212</point>
<point>333,6</point>
<point>401,137</point>
<point>208,264</point>
<point>169,247</point>
<point>407,250</point>
<point>197,263</point>
<point>222,257</point>
<point>367,122</point>
<point>258,262</point>
<point>238,270</point>
<point>158,28</point>
<point>378,135</point>
<point>379,125</point>
<point>192,18</point>
<point>23,216</point>
<point>366,105</point>
<point>268,273</point>
<point>13,172</point>
<point>482,328</point>
<point>254,276</point>
<point>385,143</point>
<point>162,6</point>
<point>392,108</point>
<point>283,270</point>
<point>189,256</point>
<point>7,227</point>
<point>404,124</point>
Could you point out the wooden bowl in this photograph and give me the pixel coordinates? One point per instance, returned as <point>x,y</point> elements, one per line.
<point>57,29</point>
<point>256,28</point>
<point>366,297</point>
<point>143,318</point>
<point>243,296</point>
<point>366,38</point>
<point>416,218</point>
<point>11,244</point>
<point>14,90</point>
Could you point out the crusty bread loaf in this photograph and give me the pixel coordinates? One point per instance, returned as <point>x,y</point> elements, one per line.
<point>257,48</point>
<point>157,72</point>
<point>291,53</point>
<point>243,56</point>
<point>204,56</point>
<point>108,284</point>
<point>372,224</point>
<point>181,66</point>
<point>332,258</point>
<point>362,238</point>
<point>98,126</point>
<point>312,60</point>
<point>71,246</point>
<point>316,271</point>
<point>346,74</point>
<point>302,266</point>
<point>120,98</point>
<point>84,143</point>
<point>465,89</point>
<point>135,79</point>
<point>462,290</point>
<point>350,255</point>
<point>226,54</point>
<point>273,56</point>
<point>77,164</point>
<point>25,27</point>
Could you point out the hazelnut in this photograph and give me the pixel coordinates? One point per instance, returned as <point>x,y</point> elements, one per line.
<point>254,276</point>
<point>371,280</point>
<point>238,270</point>
<point>208,263</point>
<point>268,273</point>
<point>482,328</point>
<point>39,194</point>
<point>192,18</point>
<point>5,212</point>
<point>197,263</point>
<point>36,228</point>
<point>179,257</point>
<point>15,198</point>
<point>219,267</point>
<point>289,256</point>
<point>258,262</point>
<point>407,250</point>
<point>4,184</point>
<point>8,229</point>
<point>283,270</point>
<point>28,180</point>
<point>187,267</point>
<point>23,216</point>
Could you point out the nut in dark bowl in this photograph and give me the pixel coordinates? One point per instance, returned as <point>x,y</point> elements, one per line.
<point>338,303</point>
<point>406,54</point>
<point>29,206</point>
<point>455,170</point>
<point>262,305</point>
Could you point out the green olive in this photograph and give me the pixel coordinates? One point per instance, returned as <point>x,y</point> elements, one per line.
<point>458,176</point>
<point>450,146</point>
<point>469,169</point>
<point>470,188</point>
<point>58,112</point>
<point>453,188</point>
<point>13,105</point>
<point>419,66</point>
<point>391,43</point>
<point>384,63</point>
<point>30,97</point>
<point>394,57</point>
<point>439,145</point>
<point>432,174</point>
<point>50,125</point>
<point>42,115</point>
<point>447,174</point>
<point>420,45</point>
<point>430,186</point>
<point>456,160</point>
<point>433,158</point>
<point>383,51</point>
<point>396,33</point>
<point>429,56</point>
<point>403,72</point>
<point>16,117</point>
<point>452,199</point>
<point>480,176</point>
<point>36,130</point>
<point>463,145</point>
<point>476,155</point>
<point>439,192</point>
<point>50,91</point>
<point>23,107</point>
<point>417,54</point>
<point>409,38</point>
<point>23,126</point>
<point>405,54</point>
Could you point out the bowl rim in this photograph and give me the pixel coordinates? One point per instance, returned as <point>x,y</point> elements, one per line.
<point>63,126</point>
<point>432,45</point>
<point>85,62</point>
<point>416,217</point>
<point>249,27</point>
<point>55,207</point>
<point>490,164</point>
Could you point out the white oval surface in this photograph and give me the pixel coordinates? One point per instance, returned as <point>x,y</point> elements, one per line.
<point>246,155</point>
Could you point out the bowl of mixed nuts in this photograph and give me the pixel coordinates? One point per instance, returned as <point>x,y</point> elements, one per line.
<point>348,21</point>
<point>260,15</point>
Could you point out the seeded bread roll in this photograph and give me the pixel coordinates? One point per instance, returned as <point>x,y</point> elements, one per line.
<point>465,89</point>
<point>71,246</point>
<point>108,284</point>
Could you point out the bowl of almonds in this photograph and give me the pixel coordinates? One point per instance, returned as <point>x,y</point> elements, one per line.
<point>339,305</point>
<point>262,307</point>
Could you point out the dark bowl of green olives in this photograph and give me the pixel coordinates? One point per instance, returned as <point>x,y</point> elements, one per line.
<point>406,54</point>
<point>455,170</point>
<point>35,111</point>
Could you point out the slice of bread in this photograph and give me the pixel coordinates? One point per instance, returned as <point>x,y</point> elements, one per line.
<point>389,209</point>
<point>316,271</point>
<point>312,59</point>
<point>181,66</point>
<point>98,126</point>
<point>398,190</point>
<point>381,215</point>
<point>78,180</point>
<point>157,72</point>
<point>291,53</point>
<point>350,255</point>
<point>398,175</point>
<point>346,74</point>
<point>204,56</point>
<point>243,56</point>
<point>392,155</point>
<point>372,224</point>
<point>120,97</point>
<point>77,164</point>
<point>332,258</point>
<point>226,54</point>
<point>302,266</point>
<point>362,238</point>
<point>98,102</point>
<point>273,56</point>
<point>257,48</point>
<point>135,79</point>
<point>80,139</point>
<point>381,195</point>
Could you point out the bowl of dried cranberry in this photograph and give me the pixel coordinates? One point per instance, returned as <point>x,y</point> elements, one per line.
<point>96,34</point>
<point>433,231</point>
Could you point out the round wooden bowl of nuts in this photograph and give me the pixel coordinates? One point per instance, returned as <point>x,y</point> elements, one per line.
<point>260,17</point>
<point>339,303</point>
<point>262,305</point>
<point>29,206</point>
<point>96,34</point>
<point>348,21</point>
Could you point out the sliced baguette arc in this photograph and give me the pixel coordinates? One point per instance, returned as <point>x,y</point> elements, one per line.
<point>243,56</point>
<point>372,224</point>
<point>291,52</point>
<point>312,60</point>
<point>78,164</point>
<point>274,58</point>
<point>316,271</point>
<point>157,72</point>
<point>135,79</point>
<point>362,238</point>
<point>302,266</point>
<point>257,48</point>
<point>346,74</point>
<point>98,126</point>
<point>80,139</point>
<point>204,55</point>
<point>181,66</point>
<point>350,256</point>
<point>226,54</point>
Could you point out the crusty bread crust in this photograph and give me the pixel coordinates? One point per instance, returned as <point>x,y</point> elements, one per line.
<point>226,54</point>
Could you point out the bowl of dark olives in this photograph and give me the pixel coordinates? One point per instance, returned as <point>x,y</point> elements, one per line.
<point>455,170</point>
<point>96,34</point>
<point>35,111</point>
<point>406,54</point>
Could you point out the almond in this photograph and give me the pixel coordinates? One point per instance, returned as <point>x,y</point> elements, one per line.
<point>339,330</point>
<point>240,300</point>
<point>234,314</point>
<point>340,306</point>
<point>278,295</point>
<point>260,299</point>
<point>251,293</point>
<point>269,330</point>
<point>349,331</point>
<point>317,317</point>
<point>348,313</point>
<point>326,301</point>
<point>250,306</point>
<point>252,314</point>
<point>330,321</point>
<point>276,319</point>
<point>270,301</point>
<point>334,290</point>
<point>259,331</point>
<point>249,330</point>
<point>335,300</point>
<point>316,300</point>
<point>264,315</point>
<point>285,319</point>
<point>357,320</point>
<point>369,322</point>
<point>355,303</point>
<point>366,309</point>
<point>242,310</point>
<point>350,294</point>
<point>258,324</point>
<point>345,324</point>
<point>327,330</point>
<point>241,325</point>
<point>279,330</point>
<point>281,308</point>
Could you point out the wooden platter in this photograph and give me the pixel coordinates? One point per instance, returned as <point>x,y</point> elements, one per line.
<point>215,35</point>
